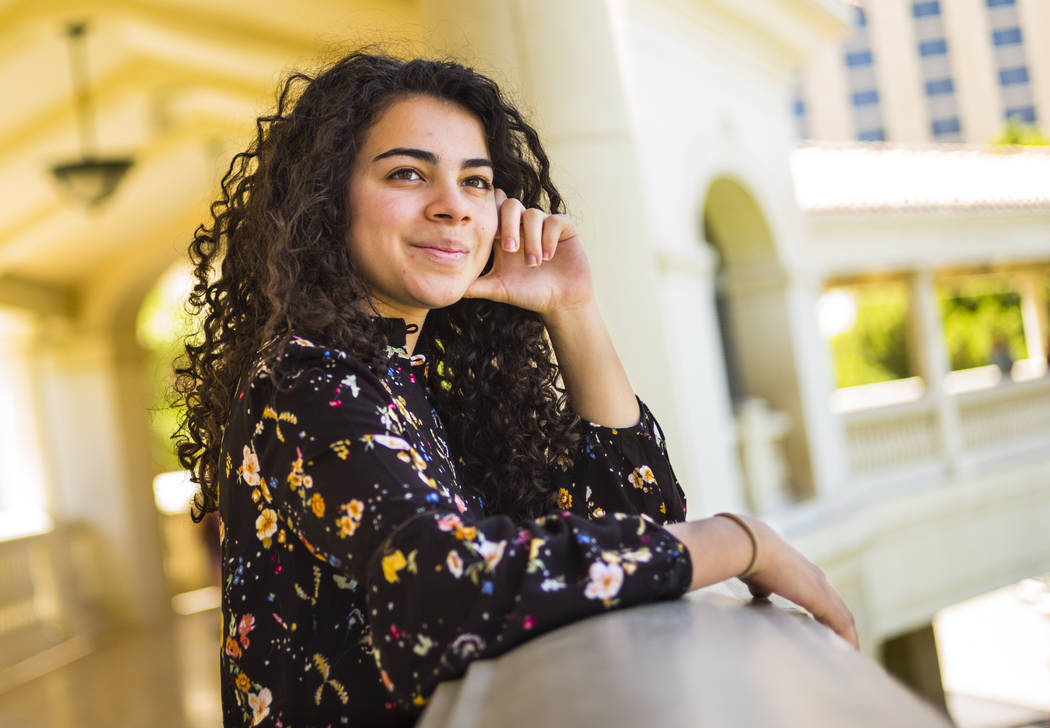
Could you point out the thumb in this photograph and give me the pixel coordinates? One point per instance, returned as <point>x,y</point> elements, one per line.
<point>488,287</point>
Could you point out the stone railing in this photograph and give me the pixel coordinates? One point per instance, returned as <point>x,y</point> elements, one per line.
<point>1010,415</point>
<point>704,660</point>
<point>892,437</point>
<point>994,418</point>
<point>45,600</point>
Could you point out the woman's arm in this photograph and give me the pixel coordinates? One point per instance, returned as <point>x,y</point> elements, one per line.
<point>594,377</point>
<point>528,274</point>
<point>355,473</point>
<point>778,569</point>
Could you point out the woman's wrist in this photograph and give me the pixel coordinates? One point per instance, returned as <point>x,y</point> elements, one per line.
<point>595,381</point>
<point>572,317</point>
<point>719,549</point>
<point>743,523</point>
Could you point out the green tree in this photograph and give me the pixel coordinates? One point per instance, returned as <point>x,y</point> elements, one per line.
<point>875,348</point>
<point>975,312</point>
<point>1016,132</point>
<point>161,327</point>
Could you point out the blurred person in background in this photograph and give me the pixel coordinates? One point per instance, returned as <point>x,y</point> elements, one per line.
<point>405,406</point>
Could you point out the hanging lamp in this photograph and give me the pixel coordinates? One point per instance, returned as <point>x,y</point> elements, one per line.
<point>91,179</point>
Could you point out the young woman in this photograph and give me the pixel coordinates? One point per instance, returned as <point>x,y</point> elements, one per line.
<point>407,479</point>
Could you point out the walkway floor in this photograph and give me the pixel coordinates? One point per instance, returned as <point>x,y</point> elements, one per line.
<point>163,678</point>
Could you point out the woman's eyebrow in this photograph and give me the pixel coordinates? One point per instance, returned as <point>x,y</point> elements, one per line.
<point>430,157</point>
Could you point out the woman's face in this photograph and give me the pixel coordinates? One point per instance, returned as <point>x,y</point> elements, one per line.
<point>422,208</point>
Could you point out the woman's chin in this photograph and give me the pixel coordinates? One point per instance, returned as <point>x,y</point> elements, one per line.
<point>443,298</point>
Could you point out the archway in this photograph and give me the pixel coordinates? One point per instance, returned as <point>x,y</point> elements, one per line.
<point>751,298</point>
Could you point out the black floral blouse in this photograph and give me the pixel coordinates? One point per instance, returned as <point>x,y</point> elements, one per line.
<point>359,569</point>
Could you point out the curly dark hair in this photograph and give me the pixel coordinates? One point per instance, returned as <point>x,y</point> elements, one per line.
<point>280,232</point>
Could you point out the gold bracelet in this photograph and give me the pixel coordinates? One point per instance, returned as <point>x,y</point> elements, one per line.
<point>754,542</point>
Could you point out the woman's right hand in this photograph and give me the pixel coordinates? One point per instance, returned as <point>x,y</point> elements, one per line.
<point>721,549</point>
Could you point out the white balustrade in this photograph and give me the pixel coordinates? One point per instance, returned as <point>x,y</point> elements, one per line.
<point>996,417</point>
<point>760,433</point>
<point>1012,413</point>
<point>882,438</point>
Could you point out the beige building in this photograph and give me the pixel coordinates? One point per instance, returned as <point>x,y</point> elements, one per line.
<point>930,70</point>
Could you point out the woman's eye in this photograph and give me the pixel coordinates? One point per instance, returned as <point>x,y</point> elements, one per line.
<point>480,182</point>
<point>405,173</point>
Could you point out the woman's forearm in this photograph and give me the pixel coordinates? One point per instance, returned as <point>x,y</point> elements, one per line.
<point>718,548</point>
<point>594,377</point>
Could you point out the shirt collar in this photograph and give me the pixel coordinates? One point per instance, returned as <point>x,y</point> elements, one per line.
<point>395,330</point>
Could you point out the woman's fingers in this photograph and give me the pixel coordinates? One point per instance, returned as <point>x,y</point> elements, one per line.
<point>510,212</point>
<point>839,618</point>
<point>554,228</point>
<point>532,235</point>
<point>529,230</point>
<point>758,592</point>
<point>828,608</point>
<point>501,197</point>
<point>785,571</point>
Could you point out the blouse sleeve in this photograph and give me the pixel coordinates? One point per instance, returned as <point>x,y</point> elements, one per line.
<point>621,470</point>
<point>442,588</point>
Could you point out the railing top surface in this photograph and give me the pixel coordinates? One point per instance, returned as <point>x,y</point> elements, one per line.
<point>1008,391</point>
<point>704,660</point>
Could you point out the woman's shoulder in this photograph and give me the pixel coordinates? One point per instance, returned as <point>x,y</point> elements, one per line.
<point>295,358</point>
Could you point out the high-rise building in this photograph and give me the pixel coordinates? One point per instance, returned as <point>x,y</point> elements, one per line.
<point>930,70</point>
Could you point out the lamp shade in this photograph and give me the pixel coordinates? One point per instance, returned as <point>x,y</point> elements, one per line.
<point>91,180</point>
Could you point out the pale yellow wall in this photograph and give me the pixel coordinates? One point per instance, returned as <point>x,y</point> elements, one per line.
<point>824,87</point>
<point>897,71</point>
<point>1035,16</point>
<point>974,69</point>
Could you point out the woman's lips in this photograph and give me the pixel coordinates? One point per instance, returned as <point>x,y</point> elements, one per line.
<point>442,252</point>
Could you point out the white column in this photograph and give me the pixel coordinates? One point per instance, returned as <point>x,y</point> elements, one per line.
<point>935,365</point>
<point>825,433</point>
<point>23,472</point>
<point>704,450</point>
<point>1033,313</point>
<point>95,420</point>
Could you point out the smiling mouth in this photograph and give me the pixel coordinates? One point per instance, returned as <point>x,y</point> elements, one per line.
<point>442,252</point>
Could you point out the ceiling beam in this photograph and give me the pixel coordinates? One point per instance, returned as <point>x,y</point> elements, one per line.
<point>27,294</point>
<point>136,76</point>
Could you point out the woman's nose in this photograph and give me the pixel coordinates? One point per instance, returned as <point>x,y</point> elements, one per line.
<point>448,203</point>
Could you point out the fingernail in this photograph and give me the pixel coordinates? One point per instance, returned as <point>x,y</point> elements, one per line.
<point>546,255</point>
<point>510,245</point>
<point>532,261</point>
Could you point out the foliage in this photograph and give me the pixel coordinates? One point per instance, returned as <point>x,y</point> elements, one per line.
<point>875,349</point>
<point>1016,132</point>
<point>975,312</point>
<point>161,327</point>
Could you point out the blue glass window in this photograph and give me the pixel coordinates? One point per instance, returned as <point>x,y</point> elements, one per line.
<point>940,86</point>
<point>860,17</point>
<point>865,98</point>
<point>1008,36</point>
<point>872,135</point>
<point>799,107</point>
<point>1025,114</point>
<point>922,10</point>
<point>860,58</point>
<point>945,126</point>
<point>999,3</point>
<point>1013,76</point>
<point>933,47</point>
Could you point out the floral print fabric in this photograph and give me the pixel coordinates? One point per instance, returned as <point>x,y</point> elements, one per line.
<point>360,569</point>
